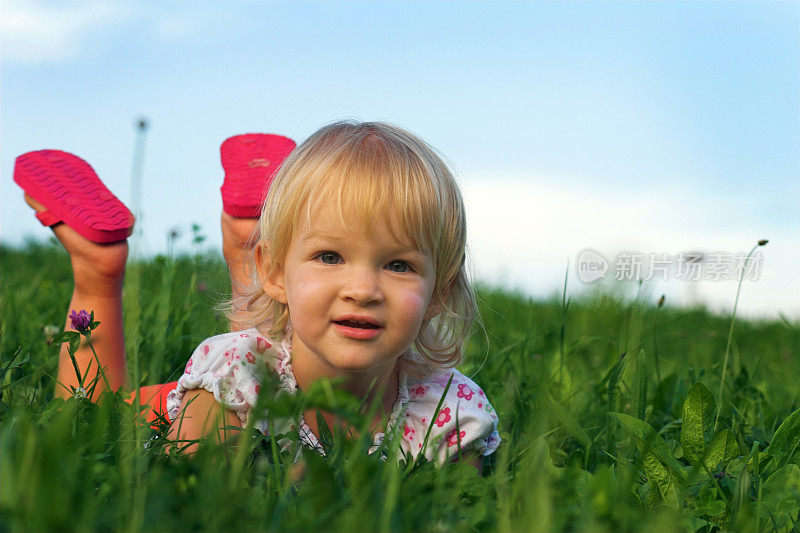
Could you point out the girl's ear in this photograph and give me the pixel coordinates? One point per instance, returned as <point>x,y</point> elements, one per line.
<point>271,279</point>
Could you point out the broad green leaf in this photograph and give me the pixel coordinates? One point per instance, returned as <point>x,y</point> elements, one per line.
<point>614,377</point>
<point>781,492</point>
<point>785,445</point>
<point>561,379</point>
<point>65,336</point>
<point>648,440</point>
<point>613,383</point>
<point>698,420</point>
<point>721,449</point>
<point>570,423</point>
<point>660,479</point>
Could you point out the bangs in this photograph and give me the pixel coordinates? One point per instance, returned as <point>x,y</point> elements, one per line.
<point>363,177</point>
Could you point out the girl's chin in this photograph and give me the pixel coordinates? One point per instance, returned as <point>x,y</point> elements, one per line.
<point>348,359</point>
<point>356,364</point>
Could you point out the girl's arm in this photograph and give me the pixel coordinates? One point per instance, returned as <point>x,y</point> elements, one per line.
<point>202,416</point>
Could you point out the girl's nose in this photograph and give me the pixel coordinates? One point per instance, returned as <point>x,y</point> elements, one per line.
<point>362,287</point>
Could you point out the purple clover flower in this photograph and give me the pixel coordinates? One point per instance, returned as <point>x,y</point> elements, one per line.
<point>80,321</point>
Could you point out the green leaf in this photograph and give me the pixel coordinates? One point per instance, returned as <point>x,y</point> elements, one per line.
<point>640,385</point>
<point>614,377</point>
<point>613,383</point>
<point>660,479</point>
<point>325,435</point>
<point>433,417</point>
<point>698,421</point>
<point>721,449</point>
<point>781,491</point>
<point>648,440</point>
<point>66,336</point>
<point>785,445</point>
<point>570,423</point>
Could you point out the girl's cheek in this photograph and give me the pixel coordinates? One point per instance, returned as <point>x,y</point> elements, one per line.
<point>415,302</point>
<point>306,283</point>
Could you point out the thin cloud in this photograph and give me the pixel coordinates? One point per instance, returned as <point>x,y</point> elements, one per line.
<point>43,33</point>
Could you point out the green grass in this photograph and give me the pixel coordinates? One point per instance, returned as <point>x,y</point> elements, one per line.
<point>606,408</point>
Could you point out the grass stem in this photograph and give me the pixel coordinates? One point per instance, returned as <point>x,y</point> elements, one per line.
<point>730,331</point>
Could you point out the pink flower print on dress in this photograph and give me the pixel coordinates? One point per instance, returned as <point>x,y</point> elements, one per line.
<point>418,391</point>
<point>189,366</point>
<point>244,336</point>
<point>464,391</point>
<point>480,392</point>
<point>228,357</point>
<point>257,389</point>
<point>205,351</point>
<point>454,436</point>
<point>250,357</point>
<point>408,433</point>
<point>262,345</point>
<point>444,417</point>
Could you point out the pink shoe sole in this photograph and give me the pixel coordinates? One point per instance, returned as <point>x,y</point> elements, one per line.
<point>250,162</point>
<point>73,194</point>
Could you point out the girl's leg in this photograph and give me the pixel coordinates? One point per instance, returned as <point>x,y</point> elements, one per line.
<point>250,162</point>
<point>98,271</point>
<point>239,236</point>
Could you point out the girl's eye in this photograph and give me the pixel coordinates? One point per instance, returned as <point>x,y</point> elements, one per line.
<point>399,266</point>
<point>329,258</point>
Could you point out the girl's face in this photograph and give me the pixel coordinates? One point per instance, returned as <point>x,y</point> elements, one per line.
<point>356,297</point>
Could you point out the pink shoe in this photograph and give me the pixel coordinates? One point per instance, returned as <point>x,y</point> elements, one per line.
<point>250,162</point>
<point>73,194</point>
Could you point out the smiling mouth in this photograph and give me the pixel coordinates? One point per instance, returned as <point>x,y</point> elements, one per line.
<point>356,324</point>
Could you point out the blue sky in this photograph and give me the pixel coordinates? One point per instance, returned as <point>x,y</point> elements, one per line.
<point>677,124</point>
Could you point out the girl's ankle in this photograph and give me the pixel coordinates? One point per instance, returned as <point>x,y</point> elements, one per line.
<point>100,268</point>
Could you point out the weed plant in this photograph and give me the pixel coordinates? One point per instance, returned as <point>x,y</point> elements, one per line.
<point>608,421</point>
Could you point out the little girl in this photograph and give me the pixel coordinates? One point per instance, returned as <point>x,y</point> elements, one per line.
<point>359,275</point>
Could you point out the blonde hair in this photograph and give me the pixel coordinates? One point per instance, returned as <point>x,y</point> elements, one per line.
<point>370,169</point>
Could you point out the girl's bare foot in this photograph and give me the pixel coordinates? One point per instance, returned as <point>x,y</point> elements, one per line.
<point>97,268</point>
<point>238,233</point>
<point>98,271</point>
<point>239,236</point>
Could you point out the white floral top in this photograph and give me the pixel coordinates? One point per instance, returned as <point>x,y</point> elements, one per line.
<point>228,366</point>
